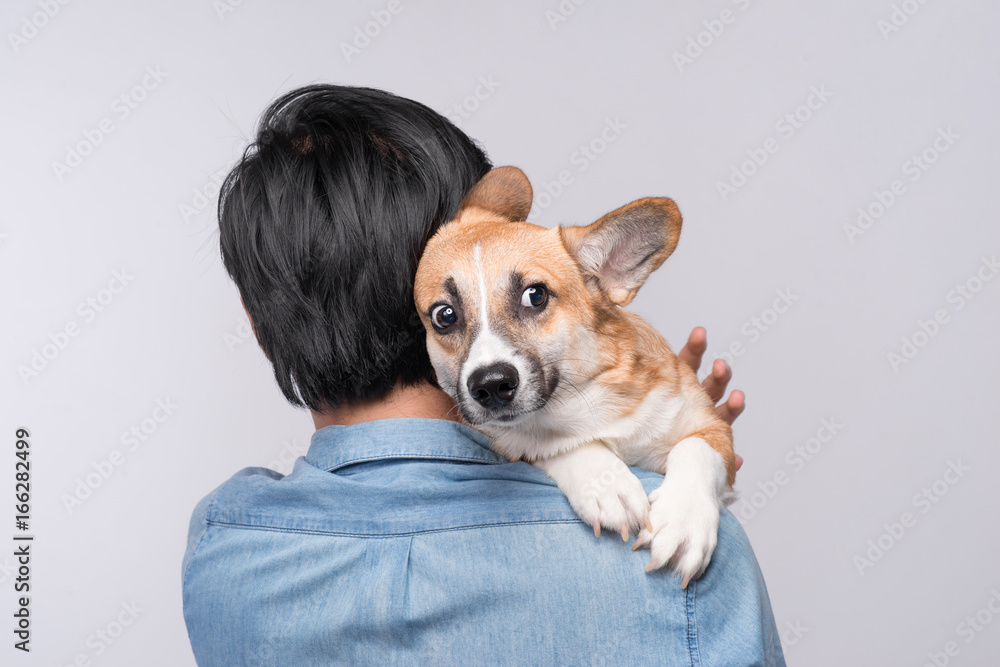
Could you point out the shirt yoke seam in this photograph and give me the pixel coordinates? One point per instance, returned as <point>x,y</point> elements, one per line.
<point>308,531</point>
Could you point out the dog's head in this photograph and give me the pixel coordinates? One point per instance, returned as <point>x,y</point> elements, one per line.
<point>516,313</point>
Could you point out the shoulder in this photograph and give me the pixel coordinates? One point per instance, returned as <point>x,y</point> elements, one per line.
<point>202,513</point>
<point>494,546</point>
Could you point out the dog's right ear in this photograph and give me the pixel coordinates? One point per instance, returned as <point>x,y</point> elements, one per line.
<point>620,250</point>
<point>504,192</point>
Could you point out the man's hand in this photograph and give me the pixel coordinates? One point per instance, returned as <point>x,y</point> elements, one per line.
<point>717,381</point>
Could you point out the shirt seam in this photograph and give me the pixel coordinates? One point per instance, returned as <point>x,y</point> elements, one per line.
<point>201,539</point>
<point>308,531</point>
<point>692,624</point>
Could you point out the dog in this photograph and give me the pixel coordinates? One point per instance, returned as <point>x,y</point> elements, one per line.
<point>526,332</point>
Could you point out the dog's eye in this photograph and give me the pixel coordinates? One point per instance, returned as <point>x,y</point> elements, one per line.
<point>535,296</point>
<point>443,316</point>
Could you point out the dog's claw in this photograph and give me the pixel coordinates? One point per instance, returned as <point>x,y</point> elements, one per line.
<point>684,584</point>
<point>641,539</point>
<point>649,525</point>
<point>625,533</point>
<point>597,528</point>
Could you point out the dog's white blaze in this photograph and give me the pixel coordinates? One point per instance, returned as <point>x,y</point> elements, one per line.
<point>488,348</point>
<point>477,257</point>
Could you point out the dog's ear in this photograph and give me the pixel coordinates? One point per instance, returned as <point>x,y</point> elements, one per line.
<point>504,192</point>
<point>621,249</point>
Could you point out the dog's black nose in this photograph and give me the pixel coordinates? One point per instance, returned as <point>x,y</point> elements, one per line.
<point>493,386</point>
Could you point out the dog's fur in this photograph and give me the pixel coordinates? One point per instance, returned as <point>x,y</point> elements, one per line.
<point>587,387</point>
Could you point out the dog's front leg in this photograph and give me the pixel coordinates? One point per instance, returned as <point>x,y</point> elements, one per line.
<point>684,510</point>
<point>600,488</point>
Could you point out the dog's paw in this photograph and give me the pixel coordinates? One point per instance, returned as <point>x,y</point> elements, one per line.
<point>684,510</point>
<point>613,499</point>
<point>600,488</point>
<point>685,530</point>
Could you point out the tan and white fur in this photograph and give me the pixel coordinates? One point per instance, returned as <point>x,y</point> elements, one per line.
<point>526,332</point>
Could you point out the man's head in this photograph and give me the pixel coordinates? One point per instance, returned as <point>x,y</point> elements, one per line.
<point>322,224</point>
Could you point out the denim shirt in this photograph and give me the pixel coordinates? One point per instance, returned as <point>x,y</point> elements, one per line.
<point>408,541</point>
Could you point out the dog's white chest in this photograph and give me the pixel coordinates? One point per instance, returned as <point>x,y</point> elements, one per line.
<point>640,436</point>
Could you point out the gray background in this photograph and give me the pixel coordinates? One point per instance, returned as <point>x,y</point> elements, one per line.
<point>176,332</point>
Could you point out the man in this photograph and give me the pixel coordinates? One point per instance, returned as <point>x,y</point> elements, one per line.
<point>400,538</point>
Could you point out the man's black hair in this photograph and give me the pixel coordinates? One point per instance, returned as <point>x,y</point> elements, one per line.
<point>322,224</point>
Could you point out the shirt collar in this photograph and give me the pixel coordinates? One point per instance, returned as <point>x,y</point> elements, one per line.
<point>333,447</point>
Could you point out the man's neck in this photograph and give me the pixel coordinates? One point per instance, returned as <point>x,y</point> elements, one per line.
<point>421,401</point>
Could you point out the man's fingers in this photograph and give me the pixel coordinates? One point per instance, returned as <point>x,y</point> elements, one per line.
<point>716,382</point>
<point>695,348</point>
<point>733,407</point>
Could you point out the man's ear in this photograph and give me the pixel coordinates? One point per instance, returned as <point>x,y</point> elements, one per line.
<point>621,249</point>
<point>504,192</point>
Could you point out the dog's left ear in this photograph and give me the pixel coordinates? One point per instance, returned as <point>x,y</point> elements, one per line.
<point>504,192</point>
<point>621,249</point>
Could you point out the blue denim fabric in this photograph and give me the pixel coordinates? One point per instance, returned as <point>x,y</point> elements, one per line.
<point>407,541</point>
